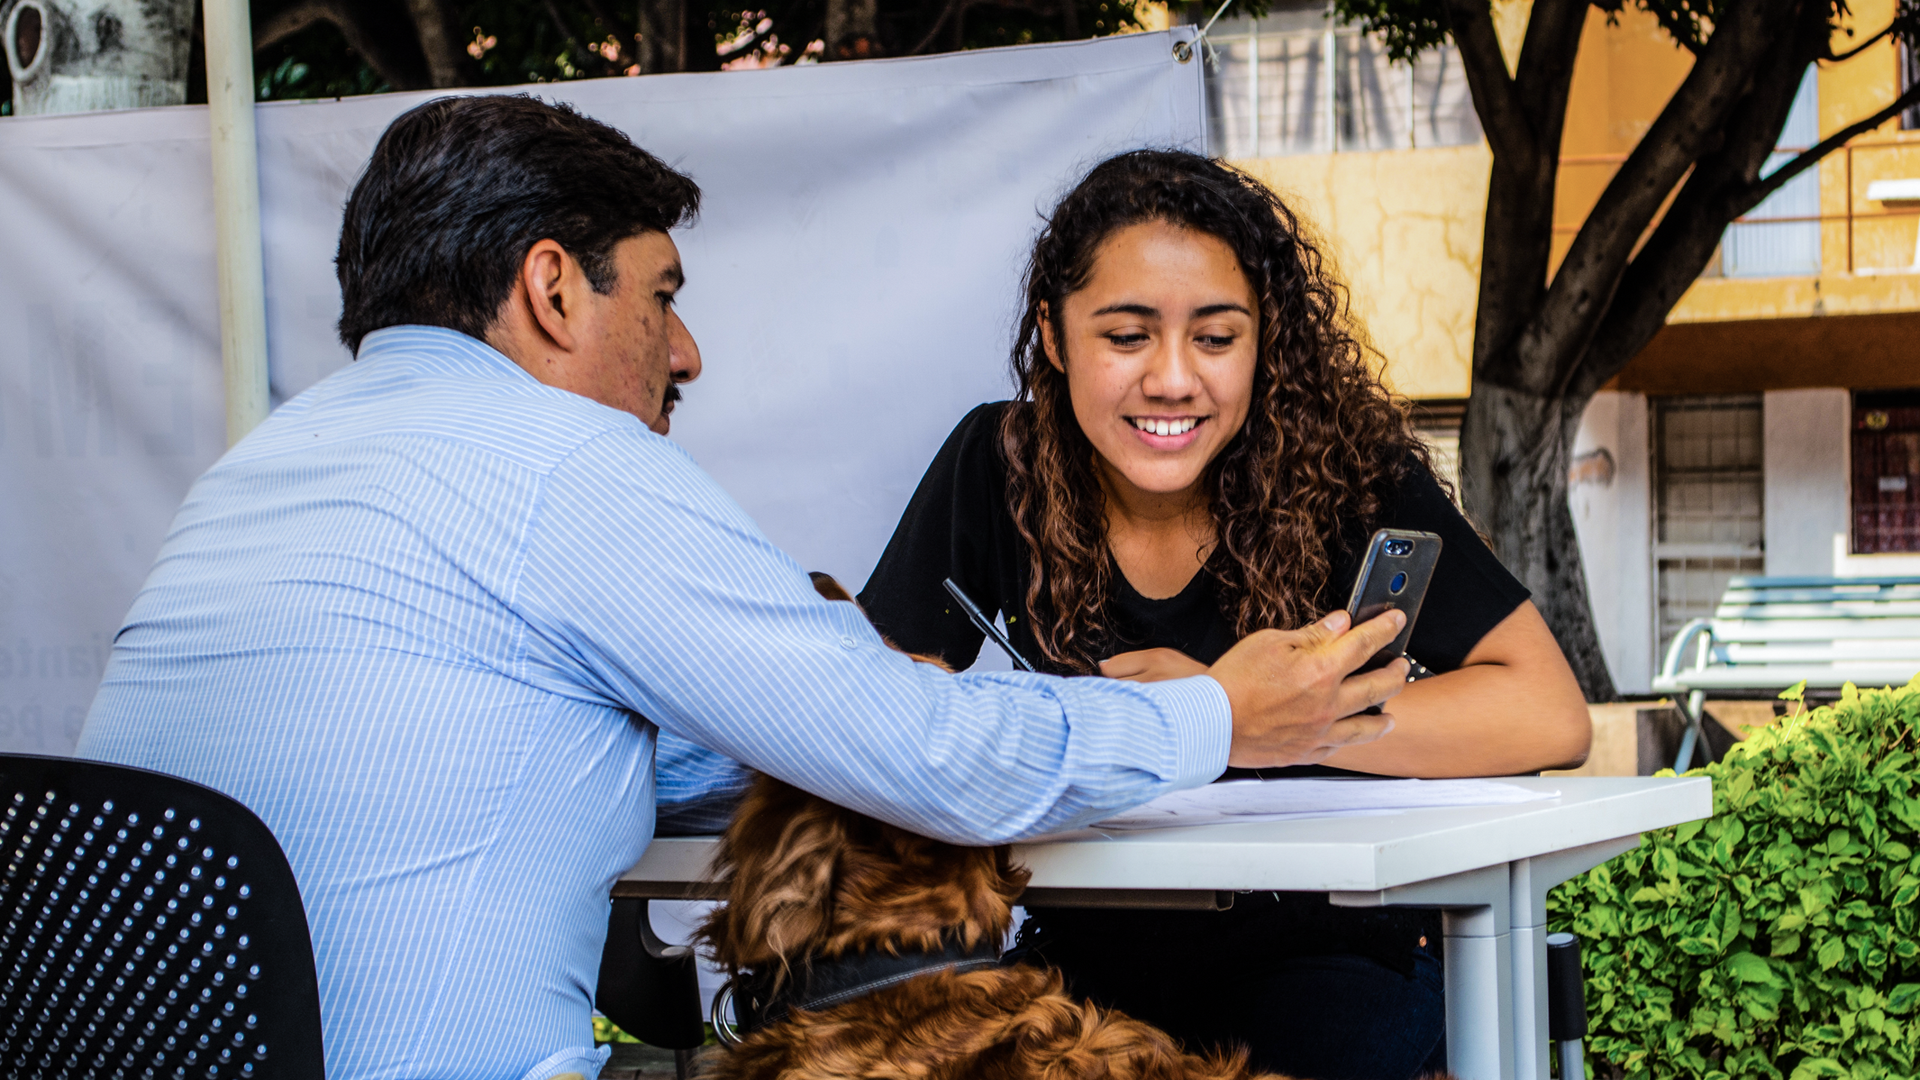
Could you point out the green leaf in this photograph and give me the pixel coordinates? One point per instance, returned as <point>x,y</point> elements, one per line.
<point>1831,952</point>
<point>1815,1068</point>
<point>1751,969</point>
<point>1901,999</point>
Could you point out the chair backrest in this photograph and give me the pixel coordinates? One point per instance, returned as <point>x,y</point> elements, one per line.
<point>1866,629</point>
<point>149,927</point>
<point>650,989</point>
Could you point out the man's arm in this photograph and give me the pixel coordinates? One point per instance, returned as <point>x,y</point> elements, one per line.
<point>645,586</point>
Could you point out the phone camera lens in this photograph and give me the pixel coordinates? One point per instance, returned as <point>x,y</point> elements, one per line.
<point>1399,547</point>
<point>1398,583</point>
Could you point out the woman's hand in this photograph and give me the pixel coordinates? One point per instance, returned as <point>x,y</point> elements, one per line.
<point>1513,707</point>
<point>1151,665</point>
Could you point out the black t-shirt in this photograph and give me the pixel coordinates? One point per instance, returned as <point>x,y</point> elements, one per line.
<point>959,525</point>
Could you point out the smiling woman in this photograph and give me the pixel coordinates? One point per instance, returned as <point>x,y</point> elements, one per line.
<point>1199,450</point>
<point>1164,352</point>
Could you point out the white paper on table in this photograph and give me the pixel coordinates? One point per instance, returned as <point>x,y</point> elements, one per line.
<point>1279,800</point>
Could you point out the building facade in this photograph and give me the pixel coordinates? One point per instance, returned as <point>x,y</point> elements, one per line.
<point>1773,426</point>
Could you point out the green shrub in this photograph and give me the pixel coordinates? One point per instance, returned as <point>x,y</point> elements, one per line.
<point>1776,939</point>
<point>606,1031</point>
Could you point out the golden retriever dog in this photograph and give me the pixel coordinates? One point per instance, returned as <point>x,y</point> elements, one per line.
<point>811,885</point>
<point>861,950</point>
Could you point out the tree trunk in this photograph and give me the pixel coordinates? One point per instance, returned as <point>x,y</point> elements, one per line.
<point>663,36</point>
<point>447,59</point>
<point>1513,478</point>
<point>852,29</point>
<point>118,54</point>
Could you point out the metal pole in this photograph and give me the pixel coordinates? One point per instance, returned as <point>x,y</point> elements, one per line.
<point>1573,1060</point>
<point>236,214</point>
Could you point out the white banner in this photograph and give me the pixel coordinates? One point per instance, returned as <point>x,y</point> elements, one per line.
<point>851,282</point>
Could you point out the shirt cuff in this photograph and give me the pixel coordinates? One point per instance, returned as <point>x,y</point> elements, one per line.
<point>1201,719</point>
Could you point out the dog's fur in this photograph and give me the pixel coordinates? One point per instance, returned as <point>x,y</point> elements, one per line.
<point>808,879</point>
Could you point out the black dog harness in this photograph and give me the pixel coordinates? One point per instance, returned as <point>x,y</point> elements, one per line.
<point>822,984</point>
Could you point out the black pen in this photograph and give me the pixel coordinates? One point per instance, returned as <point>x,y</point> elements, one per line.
<point>985,625</point>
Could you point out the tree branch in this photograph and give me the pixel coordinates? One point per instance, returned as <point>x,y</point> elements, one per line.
<point>1811,156</point>
<point>1720,188</point>
<point>1517,242</point>
<point>947,11</point>
<point>379,36</point>
<point>447,59</point>
<point>1693,121</point>
<point>1863,46</point>
<point>1494,95</point>
<point>1543,77</point>
<point>578,50</point>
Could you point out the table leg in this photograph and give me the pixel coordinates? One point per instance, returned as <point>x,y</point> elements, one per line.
<point>1474,920</point>
<point>1529,1002</point>
<point>1479,994</point>
<point>1528,882</point>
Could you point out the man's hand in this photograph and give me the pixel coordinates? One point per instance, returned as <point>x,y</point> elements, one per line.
<point>1293,700</point>
<point>1151,665</point>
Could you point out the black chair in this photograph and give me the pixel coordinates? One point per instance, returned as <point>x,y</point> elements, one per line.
<point>650,989</point>
<point>149,927</point>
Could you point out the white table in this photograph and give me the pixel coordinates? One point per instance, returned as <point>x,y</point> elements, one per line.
<point>1486,868</point>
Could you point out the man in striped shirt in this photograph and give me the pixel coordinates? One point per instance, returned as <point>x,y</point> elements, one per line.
<point>429,619</point>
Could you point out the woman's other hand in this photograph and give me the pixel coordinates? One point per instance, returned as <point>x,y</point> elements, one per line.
<point>1151,665</point>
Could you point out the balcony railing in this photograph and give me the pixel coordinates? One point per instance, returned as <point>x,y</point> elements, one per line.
<point>1850,216</point>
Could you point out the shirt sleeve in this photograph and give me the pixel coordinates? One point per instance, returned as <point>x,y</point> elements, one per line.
<point>1470,593</point>
<point>645,587</point>
<point>695,790</point>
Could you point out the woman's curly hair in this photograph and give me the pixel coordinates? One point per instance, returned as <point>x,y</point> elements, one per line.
<point>1323,440</point>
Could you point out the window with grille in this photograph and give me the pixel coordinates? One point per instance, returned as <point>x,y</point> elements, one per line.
<point>1886,472</point>
<point>1708,495</point>
<point>1297,82</point>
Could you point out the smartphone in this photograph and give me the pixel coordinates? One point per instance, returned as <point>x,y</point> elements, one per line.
<point>1393,574</point>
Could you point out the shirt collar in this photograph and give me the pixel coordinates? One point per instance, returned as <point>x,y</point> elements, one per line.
<point>437,348</point>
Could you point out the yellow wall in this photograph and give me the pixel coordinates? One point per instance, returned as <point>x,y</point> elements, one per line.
<point>1405,226</point>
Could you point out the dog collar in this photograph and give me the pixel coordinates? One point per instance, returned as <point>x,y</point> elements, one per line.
<point>822,984</point>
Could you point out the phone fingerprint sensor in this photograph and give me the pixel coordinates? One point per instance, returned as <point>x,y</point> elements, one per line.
<point>1398,583</point>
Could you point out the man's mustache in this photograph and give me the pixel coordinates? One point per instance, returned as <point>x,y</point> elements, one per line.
<point>669,399</point>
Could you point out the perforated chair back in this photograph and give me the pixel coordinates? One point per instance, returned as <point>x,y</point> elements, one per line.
<point>149,927</point>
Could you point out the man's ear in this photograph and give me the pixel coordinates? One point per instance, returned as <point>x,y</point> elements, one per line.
<point>552,281</point>
<point>1047,343</point>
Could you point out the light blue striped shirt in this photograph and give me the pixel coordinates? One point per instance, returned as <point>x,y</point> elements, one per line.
<point>420,620</point>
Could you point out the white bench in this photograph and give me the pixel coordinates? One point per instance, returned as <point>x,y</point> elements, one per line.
<point>1770,633</point>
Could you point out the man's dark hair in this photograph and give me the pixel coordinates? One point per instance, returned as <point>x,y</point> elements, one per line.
<point>460,188</point>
